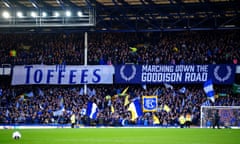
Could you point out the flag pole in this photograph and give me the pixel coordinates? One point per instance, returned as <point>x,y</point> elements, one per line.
<point>85,57</point>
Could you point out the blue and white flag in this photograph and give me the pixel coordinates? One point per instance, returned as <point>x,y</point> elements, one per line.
<point>182,90</point>
<point>208,89</point>
<point>81,92</point>
<point>58,112</point>
<point>61,107</point>
<point>29,94</point>
<point>40,92</point>
<point>167,86</point>
<point>92,110</point>
<point>61,103</point>
<point>144,86</point>
<point>135,109</point>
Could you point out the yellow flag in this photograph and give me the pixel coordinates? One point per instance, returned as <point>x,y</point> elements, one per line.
<point>166,108</point>
<point>134,49</point>
<point>112,109</point>
<point>124,92</point>
<point>126,101</point>
<point>155,119</point>
<point>132,109</point>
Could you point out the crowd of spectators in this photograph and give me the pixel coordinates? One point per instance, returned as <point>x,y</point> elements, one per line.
<point>41,49</point>
<point>191,47</point>
<point>44,106</point>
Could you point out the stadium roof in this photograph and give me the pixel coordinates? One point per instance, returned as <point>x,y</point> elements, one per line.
<point>141,15</point>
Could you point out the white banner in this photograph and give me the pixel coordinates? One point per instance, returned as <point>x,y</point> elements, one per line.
<point>62,75</point>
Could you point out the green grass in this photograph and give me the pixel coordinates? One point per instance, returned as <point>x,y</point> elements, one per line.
<point>122,136</point>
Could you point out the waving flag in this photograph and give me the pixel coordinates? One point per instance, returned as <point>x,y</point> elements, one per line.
<point>167,86</point>
<point>208,89</point>
<point>133,49</point>
<point>155,119</point>
<point>29,94</point>
<point>124,92</point>
<point>61,107</point>
<point>157,92</point>
<point>183,90</point>
<point>92,110</point>
<point>144,86</point>
<point>166,108</point>
<point>112,109</point>
<point>61,103</point>
<point>135,109</point>
<point>126,100</point>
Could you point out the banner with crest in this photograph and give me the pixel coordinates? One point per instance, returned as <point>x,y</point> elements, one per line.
<point>149,103</point>
<point>150,74</point>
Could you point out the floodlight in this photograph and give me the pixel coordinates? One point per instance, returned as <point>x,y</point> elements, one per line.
<point>34,14</point>
<point>79,13</point>
<point>6,14</point>
<point>19,14</point>
<point>68,13</point>
<point>56,14</point>
<point>44,14</point>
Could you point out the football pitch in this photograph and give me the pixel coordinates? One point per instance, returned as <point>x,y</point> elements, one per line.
<point>122,136</point>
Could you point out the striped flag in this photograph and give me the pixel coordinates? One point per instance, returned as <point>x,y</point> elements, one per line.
<point>208,89</point>
<point>92,110</point>
<point>135,109</point>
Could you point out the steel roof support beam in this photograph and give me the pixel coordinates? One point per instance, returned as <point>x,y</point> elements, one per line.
<point>17,4</point>
<point>230,20</point>
<point>89,4</point>
<point>124,18</point>
<point>70,3</point>
<point>61,3</point>
<point>101,23</point>
<point>44,4</point>
<point>201,22</point>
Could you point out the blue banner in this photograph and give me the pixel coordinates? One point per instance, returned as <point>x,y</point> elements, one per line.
<point>62,75</point>
<point>139,74</point>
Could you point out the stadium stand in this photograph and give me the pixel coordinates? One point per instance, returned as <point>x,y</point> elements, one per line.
<point>54,104</point>
<point>216,47</point>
